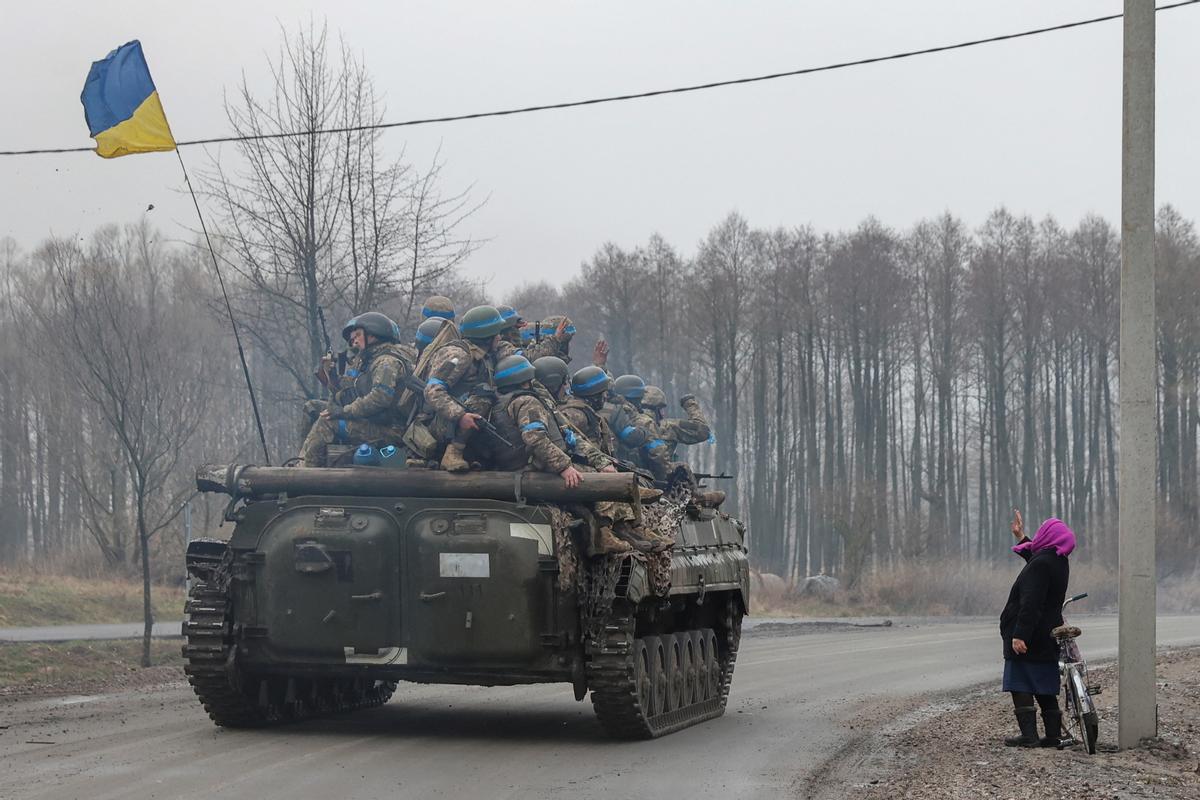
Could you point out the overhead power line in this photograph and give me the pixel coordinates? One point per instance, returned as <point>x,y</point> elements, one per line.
<point>635,95</point>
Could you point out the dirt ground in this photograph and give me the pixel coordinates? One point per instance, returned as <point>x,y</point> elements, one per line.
<point>48,669</point>
<point>955,749</point>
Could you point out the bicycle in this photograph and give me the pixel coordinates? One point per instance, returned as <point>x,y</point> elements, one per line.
<point>1082,723</point>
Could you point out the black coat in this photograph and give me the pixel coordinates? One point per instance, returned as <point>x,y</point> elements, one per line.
<point>1034,606</point>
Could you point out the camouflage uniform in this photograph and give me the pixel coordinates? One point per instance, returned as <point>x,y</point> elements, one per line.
<point>693,429</point>
<point>580,443</point>
<point>637,436</point>
<point>460,378</point>
<point>365,406</point>
<point>524,416</point>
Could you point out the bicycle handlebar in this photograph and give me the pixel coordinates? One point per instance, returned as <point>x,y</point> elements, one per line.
<point>1073,599</point>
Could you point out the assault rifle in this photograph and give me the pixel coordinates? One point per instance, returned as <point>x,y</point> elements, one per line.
<point>492,430</point>
<point>628,466</point>
<point>707,476</point>
<point>327,380</point>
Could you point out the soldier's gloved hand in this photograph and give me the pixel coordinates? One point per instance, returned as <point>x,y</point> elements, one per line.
<point>687,398</point>
<point>334,411</point>
<point>571,477</point>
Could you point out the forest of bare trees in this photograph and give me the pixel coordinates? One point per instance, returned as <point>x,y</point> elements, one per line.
<point>882,395</point>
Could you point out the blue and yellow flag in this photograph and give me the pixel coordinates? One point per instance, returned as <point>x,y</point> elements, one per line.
<point>121,105</point>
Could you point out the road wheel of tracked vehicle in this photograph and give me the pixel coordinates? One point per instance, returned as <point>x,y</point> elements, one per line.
<point>712,663</point>
<point>642,674</point>
<point>632,678</point>
<point>690,642</point>
<point>659,677</point>
<point>672,645</point>
<point>702,663</point>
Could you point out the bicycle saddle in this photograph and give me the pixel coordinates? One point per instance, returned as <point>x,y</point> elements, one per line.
<point>1065,632</point>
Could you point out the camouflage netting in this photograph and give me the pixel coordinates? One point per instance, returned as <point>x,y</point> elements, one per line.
<point>565,549</point>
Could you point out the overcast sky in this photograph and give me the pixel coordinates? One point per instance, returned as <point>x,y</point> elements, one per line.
<point>1033,124</point>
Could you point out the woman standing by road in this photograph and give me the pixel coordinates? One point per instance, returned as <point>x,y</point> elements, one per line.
<point>1034,608</point>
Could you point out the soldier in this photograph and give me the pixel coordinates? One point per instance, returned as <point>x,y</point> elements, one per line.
<point>437,306</point>
<point>583,410</point>
<point>512,326</point>
<point>693,429</point>
<point>459,389</point>
<point>526,420</point>
<point>550,383</point>
<point>364,408</point>
<point>641,445</point>
<point>426,332</point>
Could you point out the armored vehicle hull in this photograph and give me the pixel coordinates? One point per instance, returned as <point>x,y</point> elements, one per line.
<point>322,602</point>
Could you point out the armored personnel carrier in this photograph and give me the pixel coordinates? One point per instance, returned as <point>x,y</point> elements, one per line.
<point>337,583</point>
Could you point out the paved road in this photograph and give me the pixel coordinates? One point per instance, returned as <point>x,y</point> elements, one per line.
<point>795,695</point>
<point>67,633</point>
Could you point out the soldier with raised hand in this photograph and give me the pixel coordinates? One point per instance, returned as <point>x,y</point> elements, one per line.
<point>365,406</point>
<point>692,429</point>
<point>459,388</point>
<point>540,441</point>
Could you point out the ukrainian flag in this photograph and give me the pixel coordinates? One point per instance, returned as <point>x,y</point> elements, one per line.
<point>121,105</point>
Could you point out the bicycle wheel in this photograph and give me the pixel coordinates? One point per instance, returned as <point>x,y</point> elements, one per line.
<point>1091,724</point>
<point>1076,695</point>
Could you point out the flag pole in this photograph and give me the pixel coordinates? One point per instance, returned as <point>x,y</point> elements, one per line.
<point>262,437</point>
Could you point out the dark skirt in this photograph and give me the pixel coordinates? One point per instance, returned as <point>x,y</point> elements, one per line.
<point>1034,677</point>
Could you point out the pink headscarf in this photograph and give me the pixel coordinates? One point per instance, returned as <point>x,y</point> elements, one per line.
<point>1054,534</point>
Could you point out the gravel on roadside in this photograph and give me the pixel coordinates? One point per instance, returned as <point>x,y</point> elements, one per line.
<point>958,752</point>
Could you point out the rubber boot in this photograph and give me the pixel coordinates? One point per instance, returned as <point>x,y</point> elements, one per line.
<point>452,459</point>
<point>1027,721</point>
<point>607,544</point>
<point>1052,720</point>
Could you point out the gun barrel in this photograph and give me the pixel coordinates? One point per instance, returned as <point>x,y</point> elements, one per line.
<point>538,487</point>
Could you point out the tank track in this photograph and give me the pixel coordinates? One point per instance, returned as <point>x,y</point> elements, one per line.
<point>637,701</point>
<point>234,699</point>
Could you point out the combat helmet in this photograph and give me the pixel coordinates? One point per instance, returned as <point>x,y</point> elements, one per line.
<point>589,381</point>
<point>438,306</point>
<point>631,387</point>
<point>378,325</point>
<point>427,330</point>
<point>654,398</point>
<point>481,322</point>
<point>551,372</point>
<point>512,371</point>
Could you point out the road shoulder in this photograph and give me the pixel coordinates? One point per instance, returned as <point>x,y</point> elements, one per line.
<point>950,746</point>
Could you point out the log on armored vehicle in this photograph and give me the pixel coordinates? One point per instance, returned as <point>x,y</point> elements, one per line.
<point>337,583</point>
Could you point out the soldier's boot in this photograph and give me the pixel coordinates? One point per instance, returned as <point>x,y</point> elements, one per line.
<point>641,539</point>
<point>607,544</point>
<point>452,459</point>
<point>1027,721</point>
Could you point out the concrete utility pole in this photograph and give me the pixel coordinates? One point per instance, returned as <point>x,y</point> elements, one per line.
<point>1138,382</point>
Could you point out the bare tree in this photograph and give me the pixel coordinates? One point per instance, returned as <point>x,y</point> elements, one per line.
<point>129,345</point>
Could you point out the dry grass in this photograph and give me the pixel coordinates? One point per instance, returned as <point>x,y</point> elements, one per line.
<point>29,599</point>
<point>90,666</point>
<point>951,588</point>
